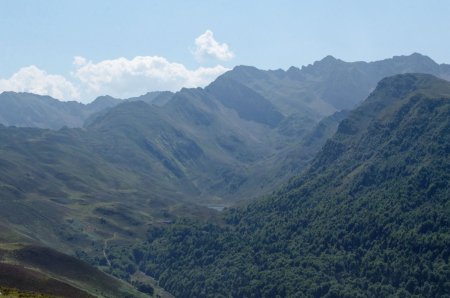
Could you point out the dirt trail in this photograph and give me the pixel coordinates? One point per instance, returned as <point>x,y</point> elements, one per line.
<point>105,246</point>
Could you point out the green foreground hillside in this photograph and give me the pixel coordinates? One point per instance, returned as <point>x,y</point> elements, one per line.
<point>35,271</point>
<point>371,216</point>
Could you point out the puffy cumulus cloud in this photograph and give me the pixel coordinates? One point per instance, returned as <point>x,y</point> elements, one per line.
<point>120,77</point>
<point>34,80</point>
<point>125,78</point>
<point>207,47</point>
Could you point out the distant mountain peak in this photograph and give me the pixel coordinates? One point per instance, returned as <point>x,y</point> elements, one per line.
<point>103,102</point>
<point>105,97</point>
<point>329,58</point>
<point>240,71</point>
<point>416,54</point>
<point>245,68</point>
<point>323,65</point>
<point>425,63</point>
<point>414,57</point>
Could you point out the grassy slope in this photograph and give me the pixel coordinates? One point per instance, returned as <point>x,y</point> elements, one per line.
<point>43,270</point>
<point>15,293</point>
<point>69,188</point>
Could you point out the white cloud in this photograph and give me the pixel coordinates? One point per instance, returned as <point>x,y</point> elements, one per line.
<point>119,77</point>
<point>34,80</point>
<point>122,77</point>
<point>125,78</point>
<point>207,47</point>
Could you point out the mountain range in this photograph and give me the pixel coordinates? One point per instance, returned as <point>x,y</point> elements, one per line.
<point>317,90</point>
<point>214,141</point>
<point>128,184</point>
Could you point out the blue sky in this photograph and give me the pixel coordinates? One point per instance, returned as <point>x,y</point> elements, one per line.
<point>39,40</point>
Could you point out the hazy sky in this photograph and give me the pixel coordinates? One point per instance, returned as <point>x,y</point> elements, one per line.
<point>82,49</point>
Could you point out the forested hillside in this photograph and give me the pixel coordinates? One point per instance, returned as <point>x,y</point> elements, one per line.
<point>369,218</point>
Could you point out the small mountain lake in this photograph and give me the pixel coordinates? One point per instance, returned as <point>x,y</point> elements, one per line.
<point>217,207</point>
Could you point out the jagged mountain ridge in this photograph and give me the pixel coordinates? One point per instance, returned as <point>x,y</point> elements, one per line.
<point>316,90</point>
<point>330,84</point>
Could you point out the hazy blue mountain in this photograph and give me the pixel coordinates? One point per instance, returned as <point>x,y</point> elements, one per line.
<point>26,109</point>
<point>31,110</point>
<point>158,98</point>
<point>101,103</point>
<point>330,84</point>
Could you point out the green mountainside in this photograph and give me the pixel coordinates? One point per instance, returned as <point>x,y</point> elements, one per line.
<point>70,189</point>
<point>370,217</point>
